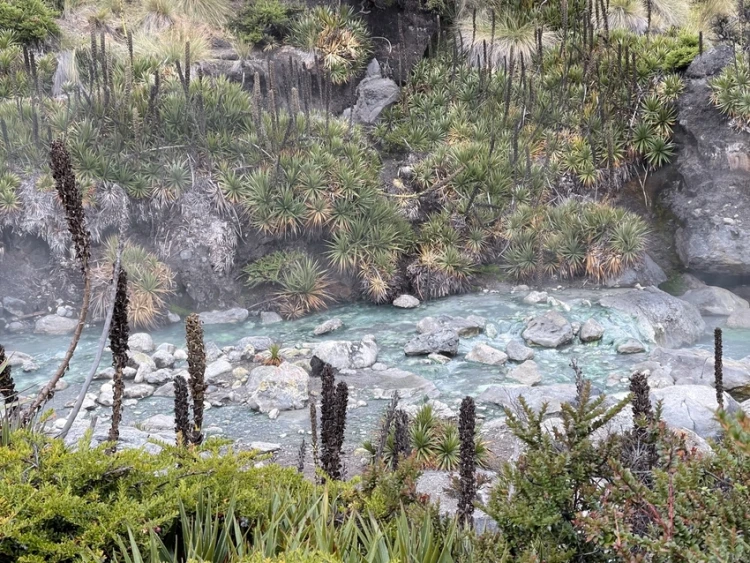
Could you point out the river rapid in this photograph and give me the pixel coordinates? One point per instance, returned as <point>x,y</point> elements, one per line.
<point>506,315</point>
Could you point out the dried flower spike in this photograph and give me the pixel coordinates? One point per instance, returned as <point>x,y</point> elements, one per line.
<point>196,357</point>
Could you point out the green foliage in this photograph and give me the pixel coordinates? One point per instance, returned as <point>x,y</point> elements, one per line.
<point>314,529</point>
<point>303,284</point>
<point>57,502</point>
<point>730,92</point>
<point>505,147</point>
<point>337,35</point>
<point>536,501</point>
<point>263,22</point>
<point>574,238</point>
<point>433,443</point>
<point>695,508</point>
<point>31,21</point>
<point>271,268</point>
<point>150,282</point>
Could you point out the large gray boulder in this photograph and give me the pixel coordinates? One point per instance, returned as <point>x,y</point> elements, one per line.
<point>484,354</point>
<point>739,319</point>
<point>163,359</point>
<point>230,316</point>
<point>662,318</point>
<point>696,367</point>
<point>270,318</point>
<point>138,391</point>
<point>258,343</point>
<point>691,407</point>
<point>157,423</point>
<point>138,359</point>
<point>217,368</point>
<point>437,486</point>
<point>706,186</point>
<point>526,374</point>
<point>549,330</point>
<point>715,301</point>
<point>508,396</point>
<point>630,346</point>
<point>374,94</point>
<point>381,384</point>
<point>463,326</point>
<point>19,359</point>
<point>406,302</point>
<point>345,354</point>
<point>52,325</point>
<point>284,387</point>
<point>16,307</point>
<point>518,351</point>
<point>443,341</point>
<point>645,273</point>
<point>141,342</point>
<point>591,330</point>
<point>330,325</point>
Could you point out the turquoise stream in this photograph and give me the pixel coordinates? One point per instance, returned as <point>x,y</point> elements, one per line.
<point>392,328</point>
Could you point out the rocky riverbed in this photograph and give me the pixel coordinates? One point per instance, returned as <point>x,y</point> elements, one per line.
<point>494,345</point>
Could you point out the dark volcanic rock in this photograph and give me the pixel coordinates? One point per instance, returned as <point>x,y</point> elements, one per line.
<point>706,188</point>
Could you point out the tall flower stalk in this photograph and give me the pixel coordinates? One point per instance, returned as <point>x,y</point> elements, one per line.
<point>72,202</point>
<point>719,367</point>
<point>468,485</point>
<point>196,357</point>
<point>332,421</point>
<point>7,385</point>
<point>118,341</point>
<point>181,412</point>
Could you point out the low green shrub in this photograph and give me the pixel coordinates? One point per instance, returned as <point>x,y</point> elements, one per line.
<point>56,502</point>
<point>537,501</point>
<point>32,21</point>
<point>264,22</point>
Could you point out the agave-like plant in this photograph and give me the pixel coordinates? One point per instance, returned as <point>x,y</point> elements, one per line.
<point>304,288</point>
<point>510,37</point>
<point>448,448</point>
<point>150,283</point>
<point>628,239</point>
<point>337,35</point>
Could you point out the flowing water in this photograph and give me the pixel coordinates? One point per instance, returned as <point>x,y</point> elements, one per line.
<point>392,328</point>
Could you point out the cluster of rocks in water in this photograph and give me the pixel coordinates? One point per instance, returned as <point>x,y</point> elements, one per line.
<point>679,377</point>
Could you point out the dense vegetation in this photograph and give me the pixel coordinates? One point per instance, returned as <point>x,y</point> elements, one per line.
<point>518,132</point>
<point>576,494</point>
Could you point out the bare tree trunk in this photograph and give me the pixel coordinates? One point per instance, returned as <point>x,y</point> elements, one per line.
<point>99,351</point>
<point>48,390</point>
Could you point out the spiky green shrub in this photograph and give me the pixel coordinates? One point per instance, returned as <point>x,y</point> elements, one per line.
<point>150,282</point>
<point>432,443</point>
<point>535,502</point>
<point>337,35</point>
<point>573,238</point>
<point>302,283</point>
<point>499,141</point>
<point>730,92</point>
<point>692,508</point>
